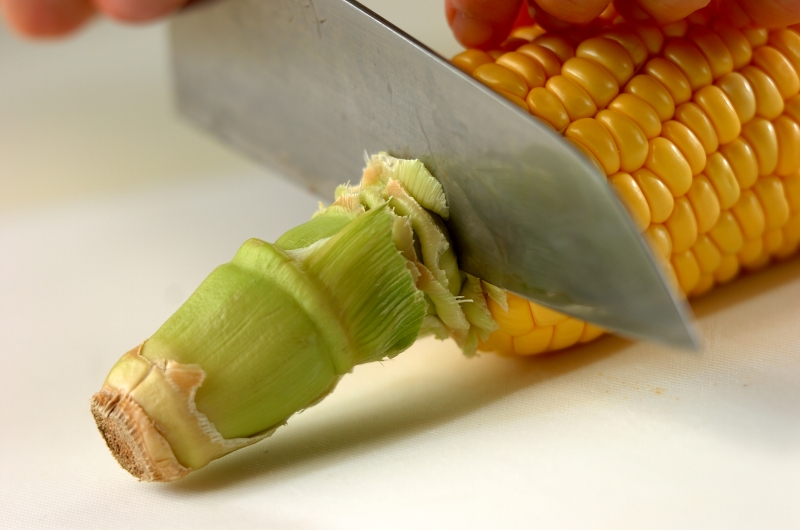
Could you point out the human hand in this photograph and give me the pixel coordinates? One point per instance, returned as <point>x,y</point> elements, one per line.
<point>486,23</point>
<point>53,18</point>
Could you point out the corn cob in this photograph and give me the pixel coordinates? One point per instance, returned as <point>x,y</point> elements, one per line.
<point>696,128</point>
<point>700,145</point>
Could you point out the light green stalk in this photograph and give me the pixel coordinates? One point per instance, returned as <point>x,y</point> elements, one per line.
<point>273,331</point>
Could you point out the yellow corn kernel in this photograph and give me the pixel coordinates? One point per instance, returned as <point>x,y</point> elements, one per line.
<point>787,42</point>
<point>687,143</point>
<point>512,43</point>
<point>499,77</point>
<point>659,197</point>
<point>682,226</point>
<point>659,240</point>
<point>751,251</point>
<point>668,163</point>
<point>791,187</point>
<point>652,38</point>
<point>495,54</point>
<point>705,204</point>
<point>632,197</point>
<point>792,108</point>
<point>713,49</point>
<point>720,112</point>
<point>740,94</point>
<point>468,60</point>
<point>760,262</point>
<point>608,54</point>
<point>704,284</point>
<point>699,18</point>
<point>692,116</point>
<point>528,33</point>
<point>779,69</point>
<point>535,341</point>
<point>686,269</point>
<point>556,44</point>
<point>675,29</point>
<point>653,93</point>
<point>726,234</point>
<point>593,78</point>
<point>544,316</point>
<point>787,132</point>
<point>750,215</point>
<point>633,45</point>
<point>690,61</point>
<point>756,36</point>
<point>525,67</point>
<point>769,103</point>
<point>518,101</point>
<point>791,232</point>
<point>773,240</point>
<point>770,193</point>
<point>498,342</point>
<point>707,254</point>
<point>576,100</point>
<point>640,112</point>
<point>544,57</point>
<point>628,137</point>
<point>546,106</point>
<point>728,269</point>
<point>761,136</point>
<point>590,332</point>
<point>517,320</point>
<point>597,139</point>
<point>566,334</point>
<point>669,274</point>
<point>588,154</point>
<point>742,159</point>
<point>737,44</point>
<point>721,176</point>
<point>671,77</point>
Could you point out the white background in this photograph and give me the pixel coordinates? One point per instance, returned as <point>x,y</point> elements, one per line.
<point>112,210</point>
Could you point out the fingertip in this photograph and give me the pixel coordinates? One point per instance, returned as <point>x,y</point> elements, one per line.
<point>572,12</point>
<point>471,32</point>
<point>38,19</point>
<point>481,23</point>
<point>666,11</point>
<point>765,13</point>
<point>138,10</point>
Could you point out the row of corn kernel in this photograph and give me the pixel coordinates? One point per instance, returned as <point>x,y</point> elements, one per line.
<point>688,143</point>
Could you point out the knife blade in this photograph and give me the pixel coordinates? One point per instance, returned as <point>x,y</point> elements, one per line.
<point>308,86</point>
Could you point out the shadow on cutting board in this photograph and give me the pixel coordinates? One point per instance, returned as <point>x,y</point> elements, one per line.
<point>395,408</point>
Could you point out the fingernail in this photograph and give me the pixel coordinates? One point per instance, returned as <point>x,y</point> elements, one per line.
<point>471,32</point>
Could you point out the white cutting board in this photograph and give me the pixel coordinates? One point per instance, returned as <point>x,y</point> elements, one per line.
<point>112,210</point>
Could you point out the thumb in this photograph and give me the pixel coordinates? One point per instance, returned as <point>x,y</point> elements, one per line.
<point>764,13</point>
<point>481,23</point>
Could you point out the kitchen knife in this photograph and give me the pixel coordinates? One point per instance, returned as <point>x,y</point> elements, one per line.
<point>308,86</point>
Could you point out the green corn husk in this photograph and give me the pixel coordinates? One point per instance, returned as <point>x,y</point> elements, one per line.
<point>273,331</point>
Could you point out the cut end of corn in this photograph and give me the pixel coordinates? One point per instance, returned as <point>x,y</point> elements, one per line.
<point>133,438</point>
<point>696,124</point>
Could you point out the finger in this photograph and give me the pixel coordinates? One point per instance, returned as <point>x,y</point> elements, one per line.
<point>46,18</point>
<point>664,11</point>
<point>138,10</point>
<point>766,13</point>
<point>481,23</point>
<point>573,11</point>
